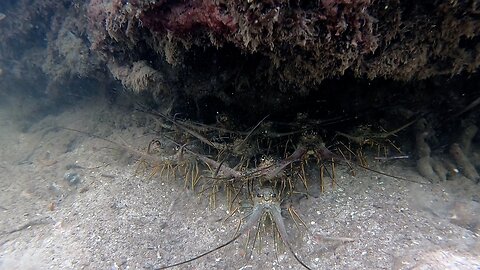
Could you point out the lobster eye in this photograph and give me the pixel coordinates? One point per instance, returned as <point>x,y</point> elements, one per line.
<point>273,195</point>
<point>259,195</point>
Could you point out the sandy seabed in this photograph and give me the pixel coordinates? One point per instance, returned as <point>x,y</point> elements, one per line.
<point>111,216</point>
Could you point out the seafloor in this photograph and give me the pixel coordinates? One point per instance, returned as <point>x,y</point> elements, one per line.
<point>76,191</point>
<point>114,216</point>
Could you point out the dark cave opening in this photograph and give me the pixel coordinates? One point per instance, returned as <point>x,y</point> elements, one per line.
<point>297,74</point>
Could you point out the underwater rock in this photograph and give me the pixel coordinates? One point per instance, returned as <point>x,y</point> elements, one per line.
<point>466,167</point>
<point>476,159</point>
<point>439,168</point>
<point>424,167</point>
<point>425,163</point>
<point>294,45</point>
<point>465,140</point>
<point>72,178</point>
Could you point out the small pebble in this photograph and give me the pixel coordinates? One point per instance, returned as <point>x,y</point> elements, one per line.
<point>72,178</point>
